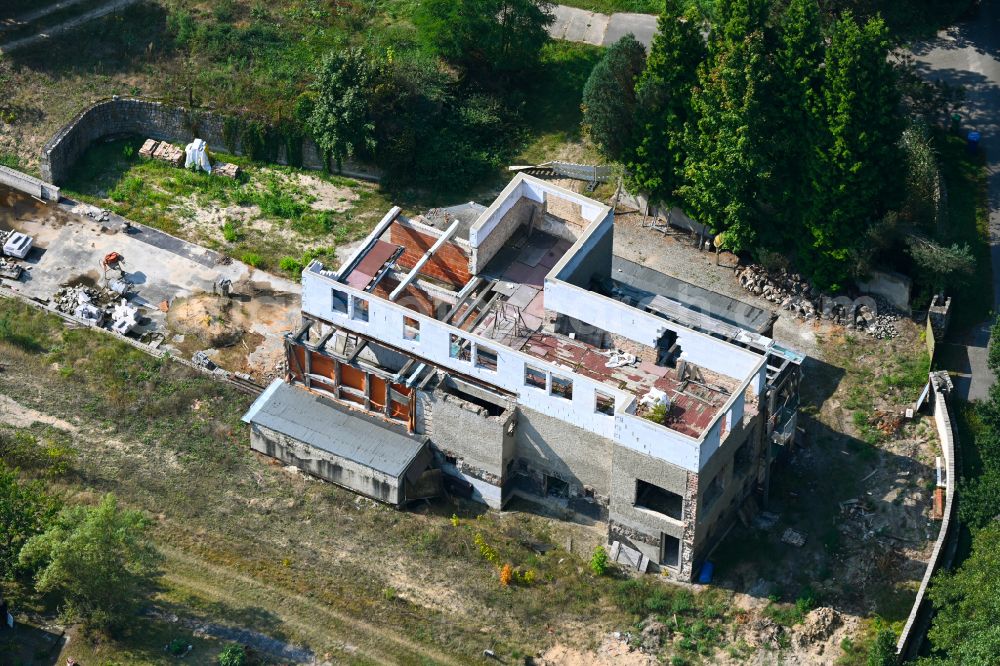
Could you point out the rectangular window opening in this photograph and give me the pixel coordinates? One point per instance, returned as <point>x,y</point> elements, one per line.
<point>534,377</point>
<point>339,302</point>
<point>556,487</point>
<point>486,358</point>
<point>604,403</point>
<point>562,387</point>
<point>654,498</point>
<point>743,458</point>
<point>460,348</point>
<point>411,329</point>
<point>360,309</point>
<point>671,548</point>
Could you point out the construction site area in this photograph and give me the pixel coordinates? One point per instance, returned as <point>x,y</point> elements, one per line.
<point>595,375</point>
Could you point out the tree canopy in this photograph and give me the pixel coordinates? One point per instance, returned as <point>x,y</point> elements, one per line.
<point>25,512</point>
<point>99,559</point>
<point>340,119</point>
<point>609,98</point>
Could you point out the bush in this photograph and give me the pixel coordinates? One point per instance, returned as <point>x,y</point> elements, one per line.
<point>290,265</point>
<point>252,259</point>
<point>506,574</point>
<point>230,232</point>
<point>233,655</point>
<point>599,562</point>
<point>883,649</point>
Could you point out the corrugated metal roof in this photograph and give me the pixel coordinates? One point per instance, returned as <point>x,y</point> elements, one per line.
<point>308,418</point>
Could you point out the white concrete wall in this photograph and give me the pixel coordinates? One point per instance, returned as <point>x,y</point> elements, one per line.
<point>28,184</point>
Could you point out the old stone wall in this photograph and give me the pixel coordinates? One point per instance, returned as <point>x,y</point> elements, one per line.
<point>467,432</point>
<point>557,448</point>
<point>155,120</point>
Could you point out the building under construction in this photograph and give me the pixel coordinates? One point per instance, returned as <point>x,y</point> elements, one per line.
<point>509,347</point>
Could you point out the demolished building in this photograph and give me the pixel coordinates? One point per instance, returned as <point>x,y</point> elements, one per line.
<point>538,364</point>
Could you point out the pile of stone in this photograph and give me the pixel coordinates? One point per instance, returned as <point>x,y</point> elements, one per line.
<point>162,150</point>
<point>793,293</point>
<point>98,214</point>
<point>88,304</point>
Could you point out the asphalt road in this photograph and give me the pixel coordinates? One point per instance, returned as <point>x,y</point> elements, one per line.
<point>969,54</point>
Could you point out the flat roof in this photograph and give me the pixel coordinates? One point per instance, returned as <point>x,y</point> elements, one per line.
<point>715,305</point>
<point>346,433</point>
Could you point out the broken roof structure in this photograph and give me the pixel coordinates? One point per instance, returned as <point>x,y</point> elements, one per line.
<point>539,363</point>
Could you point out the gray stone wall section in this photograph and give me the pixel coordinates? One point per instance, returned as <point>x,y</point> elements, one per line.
<point>947,540</point>
<point>155,120</point>
<point>560,449</point>
<point>324,465</point>
<point>464,430</point>
<point>28,184</point>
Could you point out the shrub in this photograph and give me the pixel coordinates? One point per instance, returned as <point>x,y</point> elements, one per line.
<point>230,232</point>
<point>233,655</point>
<point>599,561</point>
<point>290,265</point>
<point>506,574</point>
<point>883,649</point>
<point>252,259</point>
<point>488,552</point>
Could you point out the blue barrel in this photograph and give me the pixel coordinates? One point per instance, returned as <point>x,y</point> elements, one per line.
<point>972,142</point>
<point>705,576</point>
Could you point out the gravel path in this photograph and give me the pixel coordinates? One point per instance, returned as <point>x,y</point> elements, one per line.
<point>24,19</point>
<point>71,24</point>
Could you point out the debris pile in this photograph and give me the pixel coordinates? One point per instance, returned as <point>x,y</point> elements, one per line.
<point>818,625</point>
<point>888,423</point>
<point>793,293</point>
<point>124,318</point>
<point>86,303</point>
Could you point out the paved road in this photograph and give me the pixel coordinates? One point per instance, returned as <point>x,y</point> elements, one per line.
<point>969,54</point>
<point>579,25</point>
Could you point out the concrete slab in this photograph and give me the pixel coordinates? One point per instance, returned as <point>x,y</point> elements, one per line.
<point>69,248</point>
<point>642,27</point>
<point>578,25</point>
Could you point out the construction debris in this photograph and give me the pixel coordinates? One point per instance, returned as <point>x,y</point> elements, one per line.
<point>794,294</point>
<point>794,538</point>
<point>888,423</point>
<point>167,152</point>
<point>124,318</point>
<point>227,169</point>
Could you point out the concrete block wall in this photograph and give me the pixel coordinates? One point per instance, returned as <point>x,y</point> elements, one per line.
<point>463,429</point>
<point>325,465</point>
<point>449,264</point>
<point>28,184</point>
<point>156,120</point>
<point>519,214</point>
<point>556,447</point>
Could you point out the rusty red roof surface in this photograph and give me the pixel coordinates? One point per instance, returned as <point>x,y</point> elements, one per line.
<point>371,263</point>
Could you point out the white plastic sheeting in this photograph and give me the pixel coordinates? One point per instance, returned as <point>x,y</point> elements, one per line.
<point>196,155</point>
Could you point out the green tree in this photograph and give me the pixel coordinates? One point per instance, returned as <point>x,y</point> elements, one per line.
<point>727,161</point>
<point>599,561</point>
<point>663,95</point>
<point>25,511</point>
<point>485,36</point>
<point>99,559</point>
<point>855,173</point>
<point>794,125</point>
<point>233,655</point>
<point>993,358</point>
<point>609,99</point>
<point>883,649</point>
<point>340,121</point>
<point>948,266</point>
<point>966,628</point>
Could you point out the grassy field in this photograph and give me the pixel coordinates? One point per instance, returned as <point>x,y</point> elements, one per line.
<point>613,6</point>
<point>273,217</point>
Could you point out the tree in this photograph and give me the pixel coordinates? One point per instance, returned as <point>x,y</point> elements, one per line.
<point>727,158</point>
<point>883,649</point>
<point>854,175</point>
<point>485,36</point>
<point>25,511</point>
<point>609,102</point>
<point>663,98</point>
<point>794,123</point>
<point>966,628</point>
<point>340,121</point>
<point>949,266</point>
<point>599,562</point>
<point>98,558</point>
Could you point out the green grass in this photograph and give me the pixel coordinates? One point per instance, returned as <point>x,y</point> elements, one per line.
<point>968,222</point>
<point>553,113</point>
<point>113,175</point>
<point>613,6</point>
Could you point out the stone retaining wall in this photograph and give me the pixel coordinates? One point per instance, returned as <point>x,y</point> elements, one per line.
<point>944,548</point>
<point>156,120</point>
